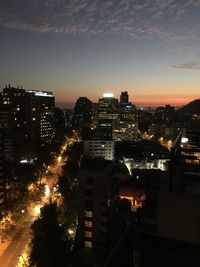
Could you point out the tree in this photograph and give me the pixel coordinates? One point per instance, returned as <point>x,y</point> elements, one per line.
<point>68,187</point>
<point>50,247</point>
<point>75,151</point>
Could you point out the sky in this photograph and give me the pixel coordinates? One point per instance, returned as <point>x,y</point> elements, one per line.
<point>150,48</point>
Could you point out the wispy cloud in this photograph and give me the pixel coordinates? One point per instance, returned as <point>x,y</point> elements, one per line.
<point>186,66</point>
<point>135,18</point>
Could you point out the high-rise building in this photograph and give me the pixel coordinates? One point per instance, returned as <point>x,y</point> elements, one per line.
<point>124,97</point>
<point>108,110</point>
<point>97,190</point>
<point>122,117</point>
<point>126,128</point>
<point>99,149</point>
<point>42,117</point>
<point>82,113</point>
<point>164,114</point>
<point>15,118</point>
<point>2,182</point>
<point>28,117</point>
<point>59,124</point>
<point>98,143</point>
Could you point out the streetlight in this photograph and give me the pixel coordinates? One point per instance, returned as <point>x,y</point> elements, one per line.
<point>59,159</point>
<point>46,190</point>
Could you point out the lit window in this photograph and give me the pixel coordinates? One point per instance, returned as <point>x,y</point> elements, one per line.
<point>88,244</point>
<point>33,119</point>
<point>88,234</point>
<point>88,213</point>
<point>88,223</point>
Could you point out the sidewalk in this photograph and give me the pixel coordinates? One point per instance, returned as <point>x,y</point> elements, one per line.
<point>4,245</point>
<point>6,242</point>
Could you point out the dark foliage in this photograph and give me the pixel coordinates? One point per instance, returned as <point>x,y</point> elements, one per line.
<point>50,247</point>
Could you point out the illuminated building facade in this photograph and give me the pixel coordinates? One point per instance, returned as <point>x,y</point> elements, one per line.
<point>126,128</point>
<point>125,131</point>
<point>99,149</point>
<point>14,118</point>
<point>28,117</point>
<point>122,117</point>
<point>42,116</point>
<point>108,110</point>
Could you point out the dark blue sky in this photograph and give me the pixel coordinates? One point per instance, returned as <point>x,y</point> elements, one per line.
<point>85,48</point>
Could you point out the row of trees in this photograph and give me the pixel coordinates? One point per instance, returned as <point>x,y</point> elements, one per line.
<point>51,242</point>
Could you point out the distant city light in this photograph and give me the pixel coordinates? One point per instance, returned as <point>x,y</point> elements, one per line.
<point>24,161</point>
<point>184,140</point>
<point>128,106</point>
<point>108,95</point>
<point>70,231</point>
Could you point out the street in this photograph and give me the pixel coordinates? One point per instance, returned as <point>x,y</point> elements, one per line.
<point>19,241</point>
<point>12,251</point>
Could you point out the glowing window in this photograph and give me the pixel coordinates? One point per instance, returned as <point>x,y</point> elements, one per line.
<point>88,234</point>
<point>88,244</point>
<point>88,223</point>
<point>88,213</point>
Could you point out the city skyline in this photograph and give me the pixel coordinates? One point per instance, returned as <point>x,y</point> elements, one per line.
<point>151,49</point>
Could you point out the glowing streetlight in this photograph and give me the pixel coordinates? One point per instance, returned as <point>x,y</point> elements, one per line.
<point>59,159</point>
<point>46,190</point>
<point>36,210</point>
<point>70,231</point>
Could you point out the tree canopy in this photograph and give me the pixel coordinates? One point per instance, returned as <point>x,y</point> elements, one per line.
<point>50,247</point>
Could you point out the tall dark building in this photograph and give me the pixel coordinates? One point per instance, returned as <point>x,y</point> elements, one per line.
<point>2,196</point>
<point>59,124</point>
<point>82,113</point>
<point>15,118</point>
<point>164,114</point>
<point>124,97</point>
<point>98,180</point>
<point>28,119</point>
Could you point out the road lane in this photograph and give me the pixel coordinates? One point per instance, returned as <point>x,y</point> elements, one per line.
<point>11,255</point>
<point>22,236</point>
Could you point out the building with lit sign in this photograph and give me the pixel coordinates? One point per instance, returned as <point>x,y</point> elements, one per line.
<point>28,117</point>
<point>42,119</point>
<point>108,110</point>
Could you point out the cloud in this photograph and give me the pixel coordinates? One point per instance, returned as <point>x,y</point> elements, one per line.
<point>138,19</point>
<point>186,66</point>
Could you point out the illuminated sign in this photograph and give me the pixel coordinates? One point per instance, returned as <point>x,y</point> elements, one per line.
<point>108,95</point>
<point>41,93</point>
<point>129,106</point>
<point>184,140</point>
